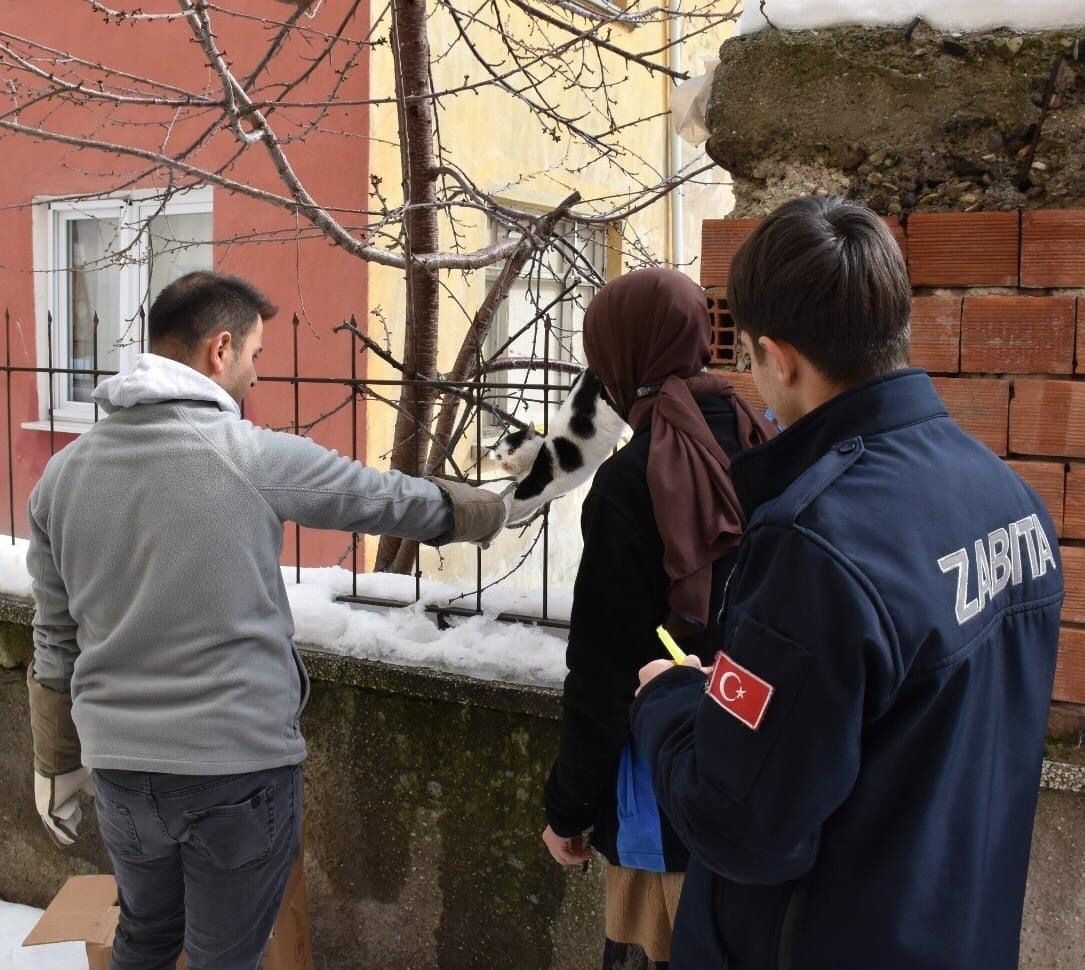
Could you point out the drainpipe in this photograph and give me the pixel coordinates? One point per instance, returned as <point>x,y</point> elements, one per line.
<point>674,151</point>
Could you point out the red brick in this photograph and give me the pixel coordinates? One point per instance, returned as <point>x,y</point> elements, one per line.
<point>1018,335</point>
<point>724,333</point>
<point>1049,480</point>
<point>1074,513</point>
<point>1048,418</point>
<point>897,229</point>
<point>980,406</point>
<point>963,248</point>
<point>1073,576</point>
<point>720,239</point>
<point>936,333</point>
<point>1053,247</point>
<point>1070,668</point>
<point>743,383</point>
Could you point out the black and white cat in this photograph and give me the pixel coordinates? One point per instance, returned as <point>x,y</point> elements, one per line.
<point>583,432</point>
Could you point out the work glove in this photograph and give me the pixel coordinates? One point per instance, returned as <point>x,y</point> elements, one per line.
<point>57,801</point>
<point>478,513</point>
<point>59,775</point>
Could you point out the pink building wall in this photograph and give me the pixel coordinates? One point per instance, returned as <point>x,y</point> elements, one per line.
<point>309,276</point>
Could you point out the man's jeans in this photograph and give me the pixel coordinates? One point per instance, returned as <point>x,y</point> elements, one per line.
<point>200,860</point>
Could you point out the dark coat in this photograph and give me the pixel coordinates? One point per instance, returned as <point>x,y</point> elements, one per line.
<point>898,588</point>
<point>618,601</point>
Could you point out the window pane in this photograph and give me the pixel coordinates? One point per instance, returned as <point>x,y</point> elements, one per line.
<point>525,300</point>
<point>179,244</point>
<point>581,249</point>
<point>93,288</point>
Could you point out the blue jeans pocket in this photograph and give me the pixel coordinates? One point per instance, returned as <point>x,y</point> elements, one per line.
<point>235,836</point>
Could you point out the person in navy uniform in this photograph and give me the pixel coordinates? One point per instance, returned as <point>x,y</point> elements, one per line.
<point>856,772</point>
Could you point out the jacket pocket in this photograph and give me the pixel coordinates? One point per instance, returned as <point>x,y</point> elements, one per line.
<point>233,837</point>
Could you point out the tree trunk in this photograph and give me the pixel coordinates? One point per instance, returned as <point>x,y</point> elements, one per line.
<point>470,356</point>
<point>410,49</point>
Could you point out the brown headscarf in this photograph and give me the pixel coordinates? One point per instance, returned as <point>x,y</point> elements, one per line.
<point>647,338</point>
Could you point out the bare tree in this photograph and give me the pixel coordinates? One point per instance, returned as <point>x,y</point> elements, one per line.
<point>562,61</point>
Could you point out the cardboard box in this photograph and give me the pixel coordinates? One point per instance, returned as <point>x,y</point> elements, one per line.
<point>86,909</point>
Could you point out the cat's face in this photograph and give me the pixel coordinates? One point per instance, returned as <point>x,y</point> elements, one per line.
<point>517,451</point>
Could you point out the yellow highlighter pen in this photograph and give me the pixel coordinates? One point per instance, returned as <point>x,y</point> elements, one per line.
<point>672,648</point>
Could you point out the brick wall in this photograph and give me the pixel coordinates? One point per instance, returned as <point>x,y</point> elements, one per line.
<point>998,320</point>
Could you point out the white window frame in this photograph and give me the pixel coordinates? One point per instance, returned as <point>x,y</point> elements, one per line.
<point>131,210</point>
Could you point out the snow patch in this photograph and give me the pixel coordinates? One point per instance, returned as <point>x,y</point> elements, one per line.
<point>16,921</point>
<point>949,15</point>
<point>14,578</point>
<point>479,646</point>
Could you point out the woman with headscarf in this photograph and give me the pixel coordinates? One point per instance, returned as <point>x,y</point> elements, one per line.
<point>661,525</point>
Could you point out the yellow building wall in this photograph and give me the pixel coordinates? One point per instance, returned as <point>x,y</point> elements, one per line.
<point>500,144</point>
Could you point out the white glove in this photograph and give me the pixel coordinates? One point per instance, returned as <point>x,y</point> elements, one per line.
<point>57,801</point>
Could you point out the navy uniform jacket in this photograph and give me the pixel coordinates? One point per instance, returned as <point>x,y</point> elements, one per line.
<point>898,589</point>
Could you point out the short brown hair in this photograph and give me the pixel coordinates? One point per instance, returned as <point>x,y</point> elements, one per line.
<point>197,305</point>
<point>826,276</point>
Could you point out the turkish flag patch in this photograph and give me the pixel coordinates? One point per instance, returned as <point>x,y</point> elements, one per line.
<point>739,691</point>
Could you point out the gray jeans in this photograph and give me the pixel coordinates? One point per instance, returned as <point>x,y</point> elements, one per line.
<point>201,862</point>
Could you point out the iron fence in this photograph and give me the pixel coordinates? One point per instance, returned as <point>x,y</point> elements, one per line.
<point>473,394</point>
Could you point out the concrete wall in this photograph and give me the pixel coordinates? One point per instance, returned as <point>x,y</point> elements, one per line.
<point>423,820</point>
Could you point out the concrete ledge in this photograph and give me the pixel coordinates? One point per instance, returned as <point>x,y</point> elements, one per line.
<point>15,609</point>
<point>426,683</point>
<point>1058,776</point>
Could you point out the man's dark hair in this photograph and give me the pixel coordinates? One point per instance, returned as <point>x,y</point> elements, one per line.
<point>826,276</point>
<point>197,305</point>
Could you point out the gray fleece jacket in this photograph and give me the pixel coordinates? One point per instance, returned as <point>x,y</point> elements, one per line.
<point>154,555</point>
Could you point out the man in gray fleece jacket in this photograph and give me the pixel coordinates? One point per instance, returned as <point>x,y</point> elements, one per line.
<point>163,631</point>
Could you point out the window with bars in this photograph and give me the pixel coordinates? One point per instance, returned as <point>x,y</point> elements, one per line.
<point>542,319</point>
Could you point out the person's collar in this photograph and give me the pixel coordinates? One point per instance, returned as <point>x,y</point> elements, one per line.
<point>880,404</point>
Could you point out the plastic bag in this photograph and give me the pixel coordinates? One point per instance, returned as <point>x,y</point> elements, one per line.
<point>689,104</point>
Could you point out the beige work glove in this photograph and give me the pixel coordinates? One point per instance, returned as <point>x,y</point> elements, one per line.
<point>480,512</point>
<point>59,775</point>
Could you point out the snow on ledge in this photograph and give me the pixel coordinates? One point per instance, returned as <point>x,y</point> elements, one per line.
<point>480,646</point>
<point>949,15</point>
<point>14,579</point>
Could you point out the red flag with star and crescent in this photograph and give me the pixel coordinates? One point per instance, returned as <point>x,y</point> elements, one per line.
<point>739,692</point>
